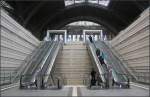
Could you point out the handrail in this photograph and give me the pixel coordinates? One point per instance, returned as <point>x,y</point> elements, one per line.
<point>53,59</point>
<point>100,68</point>
<point>46,64</point>
<point>114,63</point>
<point>42,62</point>
<point>48,59</point>
<point>26,63</point>
<point>33,57</point>
<point>39,58</point>
<point>120,58</point>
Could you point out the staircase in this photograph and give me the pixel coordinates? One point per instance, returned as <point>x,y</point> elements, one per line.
<point>73,63</point>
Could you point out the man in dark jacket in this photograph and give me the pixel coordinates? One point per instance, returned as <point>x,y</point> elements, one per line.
<point>90,38</point>
<point>93,75</point>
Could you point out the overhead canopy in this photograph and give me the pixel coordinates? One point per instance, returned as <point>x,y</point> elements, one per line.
<point>40,15</point>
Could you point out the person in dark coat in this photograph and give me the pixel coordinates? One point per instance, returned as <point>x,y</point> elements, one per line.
<point>93,79</point>
<point>90,38</point>
<point>98,52</point>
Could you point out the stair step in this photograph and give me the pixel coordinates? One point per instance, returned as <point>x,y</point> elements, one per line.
<point>73,64</point>
<point>72,71</point>
<point>72,61</point>
<point>73,82</point>
<point>72,67</point>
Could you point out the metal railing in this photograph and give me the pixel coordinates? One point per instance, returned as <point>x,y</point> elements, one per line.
<point>118,75</point>
<point>27,62</point>
<point>50,61</point>
<point>111,59</point>
<point>95,60</point>
<point>41,63</point>
<point>137,77</point>
<point>40,84</point>
<point>13,76</point>
<point>34,64</point>
<point>119,57</point>
<point>6,78</point>
<point>44,67</point>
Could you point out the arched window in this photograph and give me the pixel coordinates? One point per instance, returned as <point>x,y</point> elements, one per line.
<point>100,2</point>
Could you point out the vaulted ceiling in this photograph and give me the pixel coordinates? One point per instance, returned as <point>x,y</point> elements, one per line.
<point>40,15</point>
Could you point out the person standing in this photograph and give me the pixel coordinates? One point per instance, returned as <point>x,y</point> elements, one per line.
<point>90,38</point>
<point>93,77</point>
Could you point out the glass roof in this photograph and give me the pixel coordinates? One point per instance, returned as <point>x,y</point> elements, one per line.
<point>101,2</point>
<point>83,23</point>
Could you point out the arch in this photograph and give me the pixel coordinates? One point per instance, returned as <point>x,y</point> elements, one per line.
<point>99,14</point>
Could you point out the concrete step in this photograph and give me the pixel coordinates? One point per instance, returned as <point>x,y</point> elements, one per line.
<point>73,64</point>
<point>72,70</point>
<point>69,62</point>
<point>75,47</point>
<point>74,53</point>
<point>73,75</point>
<point>74,81</point>
<point>72,67</point>
<point>73,60</point>
<point>73,56</point>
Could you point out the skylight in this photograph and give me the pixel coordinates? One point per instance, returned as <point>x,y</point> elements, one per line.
<point>101,2</point>
<point>83,23</point>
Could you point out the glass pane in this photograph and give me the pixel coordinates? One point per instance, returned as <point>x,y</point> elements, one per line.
<point>101,2</point>
<point>83,23</point>
<point>68,2</point>
<point>104,2</point>
<point>79,1</point>
<point>93,1</point>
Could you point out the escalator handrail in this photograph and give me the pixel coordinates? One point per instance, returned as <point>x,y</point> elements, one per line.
<point>42,62</point>
<point>48,71</point>
<point>119,66</point>
<point>98,64</point>
<point>119,62</point>
<point>45,47</point>
<point>36,54</point>
<point>48,59</point>
<point>36,57</point>
<point>118,56</point>
<point>27,61</point>
<point>42,56</point>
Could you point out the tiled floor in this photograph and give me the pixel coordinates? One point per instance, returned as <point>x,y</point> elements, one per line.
<point>66,91</point>
<point>78,91</point>
<point>133,91</point>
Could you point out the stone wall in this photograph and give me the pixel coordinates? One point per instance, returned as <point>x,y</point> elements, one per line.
<point>133,46</point>
<point>16,43</point>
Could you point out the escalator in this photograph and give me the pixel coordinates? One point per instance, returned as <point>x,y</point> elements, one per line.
<point>102,70</point>
<point>28,76</point>
<point>119,73</point>
<point>48,66</point>
<point>40,66</point>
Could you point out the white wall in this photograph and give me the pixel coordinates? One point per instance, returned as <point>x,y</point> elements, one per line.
<point>16,42</point>
<point>133,45</point>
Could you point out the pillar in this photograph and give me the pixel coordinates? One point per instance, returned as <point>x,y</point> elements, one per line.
<point>83,36</point>
<point>65,36</point>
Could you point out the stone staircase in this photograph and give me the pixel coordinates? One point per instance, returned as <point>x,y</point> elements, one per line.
<point>73,64</point>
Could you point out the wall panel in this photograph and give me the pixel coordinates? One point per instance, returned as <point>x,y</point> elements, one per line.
<point>16,43</point>
<point>132,44</point>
